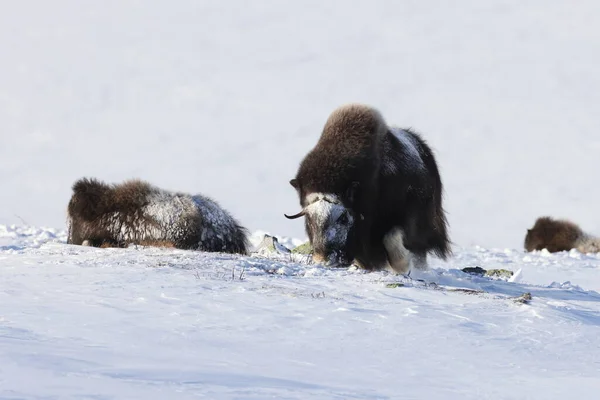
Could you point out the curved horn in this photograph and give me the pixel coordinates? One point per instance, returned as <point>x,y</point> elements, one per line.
<point>300,214</point>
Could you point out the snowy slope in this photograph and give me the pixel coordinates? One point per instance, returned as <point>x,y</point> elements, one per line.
<point>226,97</point>
<point>79,322</point>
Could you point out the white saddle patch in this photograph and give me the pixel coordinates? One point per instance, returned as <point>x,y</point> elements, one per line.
<point>411,156</point>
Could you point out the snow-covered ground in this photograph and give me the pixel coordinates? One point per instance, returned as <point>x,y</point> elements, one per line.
<point>86,323</point>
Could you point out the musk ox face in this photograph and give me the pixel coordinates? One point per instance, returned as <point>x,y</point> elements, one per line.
<point>331,226</point>
<point>533,241</point>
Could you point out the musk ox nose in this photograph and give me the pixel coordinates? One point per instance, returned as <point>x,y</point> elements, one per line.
<point>331,261</point>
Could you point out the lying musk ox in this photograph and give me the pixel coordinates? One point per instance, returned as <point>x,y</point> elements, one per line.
<point>136,212</point>
<point>371,194</point>
<point>559,235</point>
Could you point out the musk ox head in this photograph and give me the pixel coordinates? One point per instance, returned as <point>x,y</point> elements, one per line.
<point>331,224</point>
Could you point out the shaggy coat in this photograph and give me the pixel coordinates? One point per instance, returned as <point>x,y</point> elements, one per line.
<point>559,235</point>
<point>371,194</point>
<point>136,212</point>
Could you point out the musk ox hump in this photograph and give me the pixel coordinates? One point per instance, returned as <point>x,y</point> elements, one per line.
<point>348,150</point>
<point>354,124</point>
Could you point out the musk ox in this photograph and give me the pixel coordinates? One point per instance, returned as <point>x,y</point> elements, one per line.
<point>371,194</point>
<point>136,212</point>
<point>559,235</point>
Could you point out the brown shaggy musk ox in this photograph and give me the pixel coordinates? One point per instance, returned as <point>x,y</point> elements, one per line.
<point>559,235</point>
<point>371,194</point>
<point>136,212</point>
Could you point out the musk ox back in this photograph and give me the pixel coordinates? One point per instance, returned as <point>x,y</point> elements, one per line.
<point>136,212</point>
<point>557,235</point>
<point>371,194</point>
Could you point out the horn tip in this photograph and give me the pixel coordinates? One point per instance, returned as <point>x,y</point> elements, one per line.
<point>300,214</point>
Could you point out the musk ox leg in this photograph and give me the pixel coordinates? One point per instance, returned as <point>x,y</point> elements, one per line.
<point>372,256</point>
<point>420,261</point>
<point>398,255</point>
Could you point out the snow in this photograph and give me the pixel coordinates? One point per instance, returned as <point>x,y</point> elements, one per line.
<point>224,99</point>
<point>81,322</point>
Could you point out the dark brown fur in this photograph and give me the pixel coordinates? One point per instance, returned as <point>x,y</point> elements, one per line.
<point>92,200</point>
<point>346,150</point>
<point>553,235</point>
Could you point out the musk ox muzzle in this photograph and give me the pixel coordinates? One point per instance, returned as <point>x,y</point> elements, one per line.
<point>329,224</point>
<point>332,260</point>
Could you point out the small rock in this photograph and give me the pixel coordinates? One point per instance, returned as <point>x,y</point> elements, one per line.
<point>304,249</point>
<point>474,270</point>
<point>466,291</point>
<point>525,298</point>
<point>270,245</point>
<point>394,285</point>
<point>499,273</point>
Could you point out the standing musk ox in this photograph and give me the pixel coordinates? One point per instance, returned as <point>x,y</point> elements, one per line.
<point>559,235</point>
<point>136,212</point>
<point>371,194</point>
